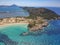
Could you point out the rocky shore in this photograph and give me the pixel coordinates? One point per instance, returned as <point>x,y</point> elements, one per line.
<point>36,25</point>
<point>39,27</point>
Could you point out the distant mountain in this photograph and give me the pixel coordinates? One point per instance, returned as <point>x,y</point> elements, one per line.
<point>12,11</point>
<point>43,12</point>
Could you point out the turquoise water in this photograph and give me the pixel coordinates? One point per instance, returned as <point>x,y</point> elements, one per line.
<point>10,35</point>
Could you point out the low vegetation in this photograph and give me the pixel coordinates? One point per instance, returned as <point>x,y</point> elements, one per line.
<point>41,12</point>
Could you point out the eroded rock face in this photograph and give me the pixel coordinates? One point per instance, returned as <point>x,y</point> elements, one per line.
<point>5,39</point>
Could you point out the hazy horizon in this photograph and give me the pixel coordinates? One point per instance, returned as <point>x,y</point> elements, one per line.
<point>32,3</point>
<point>55,9</point>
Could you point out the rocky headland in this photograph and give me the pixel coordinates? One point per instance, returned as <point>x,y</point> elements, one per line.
<point>40,18</point>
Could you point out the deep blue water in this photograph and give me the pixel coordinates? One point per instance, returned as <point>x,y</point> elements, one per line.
<point>12,11</point>
<point>55,9</point>
<point>10,35</point>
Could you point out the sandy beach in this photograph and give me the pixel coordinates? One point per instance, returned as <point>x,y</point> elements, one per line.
<point>9,24</point>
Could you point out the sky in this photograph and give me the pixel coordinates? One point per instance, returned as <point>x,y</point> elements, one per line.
<point>32,3</point>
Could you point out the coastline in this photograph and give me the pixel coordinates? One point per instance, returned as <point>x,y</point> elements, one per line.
<point>33,24</point>
<point>5,25</point>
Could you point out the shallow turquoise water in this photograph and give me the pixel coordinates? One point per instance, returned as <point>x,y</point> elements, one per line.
<point>51,35</point>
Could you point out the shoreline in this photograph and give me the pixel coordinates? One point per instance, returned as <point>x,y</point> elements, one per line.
<point>33,24</point>
<point>9,24</point>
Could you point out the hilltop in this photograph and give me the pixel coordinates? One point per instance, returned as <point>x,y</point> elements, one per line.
<point>42,12</point>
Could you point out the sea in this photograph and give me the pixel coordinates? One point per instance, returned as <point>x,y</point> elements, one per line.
<point>10,35</point>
